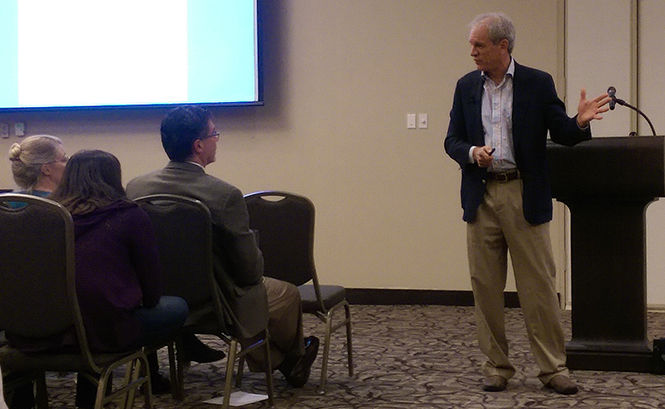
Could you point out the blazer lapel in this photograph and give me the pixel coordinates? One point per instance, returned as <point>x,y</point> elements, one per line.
<point>476,101</point>
<point>520,104</point>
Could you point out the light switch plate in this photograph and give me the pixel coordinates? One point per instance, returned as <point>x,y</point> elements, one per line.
<point>19,128</point>
<point>411,121</point>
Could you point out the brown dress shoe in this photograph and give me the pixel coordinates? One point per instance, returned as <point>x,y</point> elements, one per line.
<point>298,373</point>
<point>562,384</point>
<point>495,383</point>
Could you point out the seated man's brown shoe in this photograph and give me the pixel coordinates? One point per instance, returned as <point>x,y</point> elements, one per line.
<point>494,383</point>
<point>562,384</point>
<point>297,373</point>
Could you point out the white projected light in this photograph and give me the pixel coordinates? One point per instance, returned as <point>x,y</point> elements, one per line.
<point>74,53</point>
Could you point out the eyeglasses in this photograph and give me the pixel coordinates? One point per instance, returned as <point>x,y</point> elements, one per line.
<point>214,134</point>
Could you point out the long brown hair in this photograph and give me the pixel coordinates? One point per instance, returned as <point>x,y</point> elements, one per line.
<point>92,179</point>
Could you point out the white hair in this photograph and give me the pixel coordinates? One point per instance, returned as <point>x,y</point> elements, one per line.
<point>499,27</point>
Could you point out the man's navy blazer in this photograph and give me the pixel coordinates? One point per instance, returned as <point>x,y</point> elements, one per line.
<point>536,109</point>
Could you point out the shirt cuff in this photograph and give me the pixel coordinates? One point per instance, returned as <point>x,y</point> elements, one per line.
<point>471,154</point>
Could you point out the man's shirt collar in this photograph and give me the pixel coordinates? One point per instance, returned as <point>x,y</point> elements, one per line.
<point>195,163</point>
<point>510,72</point>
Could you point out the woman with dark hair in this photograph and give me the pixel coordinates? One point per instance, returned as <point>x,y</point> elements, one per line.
<point>118,277</point>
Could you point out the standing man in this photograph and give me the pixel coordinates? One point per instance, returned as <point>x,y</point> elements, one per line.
<point>497,133</point>
<point>252,301</point>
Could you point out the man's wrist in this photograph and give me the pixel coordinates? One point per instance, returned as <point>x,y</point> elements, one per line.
<point>471,158</point>
<point>582,127</point>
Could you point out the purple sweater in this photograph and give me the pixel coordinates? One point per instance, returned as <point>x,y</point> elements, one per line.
<point>117,271</point>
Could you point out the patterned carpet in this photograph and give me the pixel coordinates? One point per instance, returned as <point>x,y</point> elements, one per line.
<point>416,357</point>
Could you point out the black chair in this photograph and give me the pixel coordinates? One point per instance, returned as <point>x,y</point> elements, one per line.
<point>285,225</point>
<point>184,235</point>
<point>38,301</point>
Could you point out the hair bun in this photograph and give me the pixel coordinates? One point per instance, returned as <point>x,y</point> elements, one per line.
<point>15,152</point>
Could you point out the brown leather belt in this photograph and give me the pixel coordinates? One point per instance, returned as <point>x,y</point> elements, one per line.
<point>504,177</point>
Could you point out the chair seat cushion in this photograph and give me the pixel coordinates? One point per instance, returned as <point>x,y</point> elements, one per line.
<point>330,294</point>
<point>13,359</point>
<point>204,321</point>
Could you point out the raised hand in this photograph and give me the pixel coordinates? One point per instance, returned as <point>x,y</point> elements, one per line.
<point>588,110</point>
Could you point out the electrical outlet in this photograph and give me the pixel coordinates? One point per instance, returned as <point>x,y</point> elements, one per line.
<point>4,130</point>
<point>422,120</point>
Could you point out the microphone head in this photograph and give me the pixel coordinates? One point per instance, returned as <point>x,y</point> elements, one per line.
<point>611,92</point>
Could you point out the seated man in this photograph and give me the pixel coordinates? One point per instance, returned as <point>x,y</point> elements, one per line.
<point>190,141</point>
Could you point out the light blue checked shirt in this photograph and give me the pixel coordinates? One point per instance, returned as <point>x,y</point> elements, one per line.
<point>497,118</point>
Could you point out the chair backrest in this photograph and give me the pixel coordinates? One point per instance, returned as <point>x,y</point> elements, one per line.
<point>37,271</point>
<point>183,228</point>
<point>285,225</point>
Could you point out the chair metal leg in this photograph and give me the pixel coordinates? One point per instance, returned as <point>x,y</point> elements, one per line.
<point>136,375</point>
<point>42,394</point>
<point>143,369</point>
<point>265,344</point>
<point>230,363</point>
<point>349,348</point>
<point>137,370</point>
<point>176,372</point>
<point>241,368</point>
<point>103,384</point>
<point>131,375</point>
<point>268,364</point>
<point>173,377</point>
<point>326,351</point>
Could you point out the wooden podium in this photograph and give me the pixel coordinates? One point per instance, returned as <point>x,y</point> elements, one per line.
<point>607,183</point>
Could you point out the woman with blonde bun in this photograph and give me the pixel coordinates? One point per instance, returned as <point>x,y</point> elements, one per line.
<point>38,163</point>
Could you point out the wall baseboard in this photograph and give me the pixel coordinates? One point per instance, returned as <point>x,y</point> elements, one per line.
<point>380,296</point>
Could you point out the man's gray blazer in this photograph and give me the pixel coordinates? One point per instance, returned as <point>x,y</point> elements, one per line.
<point>238,262</point>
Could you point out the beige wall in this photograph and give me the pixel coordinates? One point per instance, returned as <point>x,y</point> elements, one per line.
<point>623,46</point>
<point>340,76</point>
<point>651,101</point>
<point>607,62</point>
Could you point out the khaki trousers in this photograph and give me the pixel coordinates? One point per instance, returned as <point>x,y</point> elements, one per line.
<point>284,325</point>
<point>500,226</point>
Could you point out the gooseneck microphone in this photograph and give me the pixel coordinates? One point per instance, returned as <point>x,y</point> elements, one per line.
<point>611,92</point>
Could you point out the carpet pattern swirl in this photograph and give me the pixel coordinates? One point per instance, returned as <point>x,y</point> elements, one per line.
<point>415,357</point>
